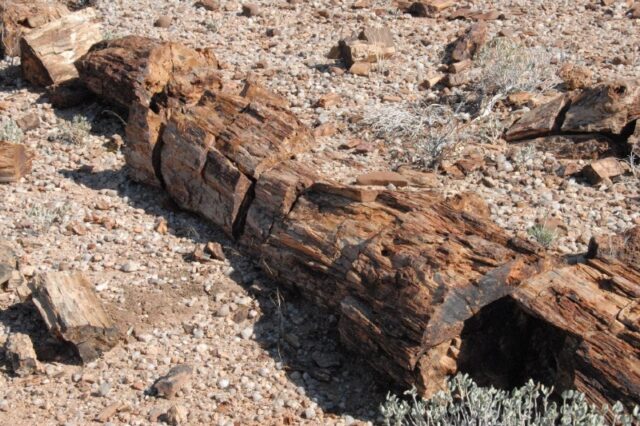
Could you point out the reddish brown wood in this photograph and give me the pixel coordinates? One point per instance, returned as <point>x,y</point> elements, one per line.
<point>20,17</point>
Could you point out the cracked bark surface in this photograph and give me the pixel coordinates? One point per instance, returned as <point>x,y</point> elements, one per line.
<point>414,278</point>
<point>597,304</point>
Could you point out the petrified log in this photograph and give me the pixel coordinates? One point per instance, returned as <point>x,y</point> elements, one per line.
<point>414,278</point>
<point>19,17</point>
<point>404,270</point>
<point>15,162</point>
<point>595,307</point>
<point>134,69</point>
<point>48,53</point>
<point>73,312</point>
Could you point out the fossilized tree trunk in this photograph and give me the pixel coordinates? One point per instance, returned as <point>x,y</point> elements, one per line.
<point>417,282</point>
<point>20,17</point>
<point>48,53</point>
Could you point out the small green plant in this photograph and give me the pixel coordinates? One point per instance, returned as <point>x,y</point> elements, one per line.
<point>43,216</point>
<point>75,131</point>
<point>543,235</point>
<point>465,403</point>
<point>10,131</point>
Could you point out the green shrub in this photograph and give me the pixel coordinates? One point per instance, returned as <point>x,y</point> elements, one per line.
<point>10,131</point>
<point>468,404</point>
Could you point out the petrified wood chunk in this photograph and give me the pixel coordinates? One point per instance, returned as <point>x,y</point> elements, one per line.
<point>73,312</point>
<point>466,46</point>
<point>540,121</point>
<point>213,152</point>
<point>606,108</point>
<point>134,68</point>
<point>15,162</point>
<point>48,53</point>
<point>596,306</point>
<point>19,17</point>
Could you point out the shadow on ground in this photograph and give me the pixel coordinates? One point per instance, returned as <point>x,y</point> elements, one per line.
<point>300,336</point>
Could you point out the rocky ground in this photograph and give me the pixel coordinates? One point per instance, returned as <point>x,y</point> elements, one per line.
<point>261,354</point>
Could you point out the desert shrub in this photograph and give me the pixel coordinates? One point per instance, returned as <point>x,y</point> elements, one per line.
<point>543,235</point>
<point>75,131</point>
<point>507,66</point>
<point>468,404</point>
<point>418,133</point>
<point>10,131</point>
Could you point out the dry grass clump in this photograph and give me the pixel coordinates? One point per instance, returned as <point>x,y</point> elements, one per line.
<point>75,131</point>
<point>418,133</point>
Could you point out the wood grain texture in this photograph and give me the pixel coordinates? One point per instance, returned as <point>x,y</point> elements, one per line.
<point>72,311</point>
<point>20,17</point>
<point>134,69</point>
<point>49,52</point>
<point>15,162</point>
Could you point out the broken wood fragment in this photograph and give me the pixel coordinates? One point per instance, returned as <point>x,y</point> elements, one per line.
<point>20,17</point>
<point>19,352</point>
<point>168,385</point>
<point>49,52</point>
<point>603,169</point>
<point>72,311</point>
<point>15,162</point>
<point>466,46</point>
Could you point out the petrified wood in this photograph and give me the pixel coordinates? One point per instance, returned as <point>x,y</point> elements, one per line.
<point>417,281</point>
<point>597,307</point>
<point>15,162</point>
<point>72,311</point>
<point>19,17</point>
<point>48,53</point>
<point>133,68</point>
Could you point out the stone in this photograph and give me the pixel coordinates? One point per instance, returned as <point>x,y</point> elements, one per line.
<point>382,178</point>
<point>328,100</point>
<point>177,415</point>
<point>178,377</point>
<point>603,169</point>
<point>250,10</point>
<point>215,250</point>
<point>21,355</point>
<point>575,76</point>
<point>210,5</point>
<point>468,44</point>
<point>28,122</point>
<point>163,21</point>
<point>360,68</point>
<point>108,412</point>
